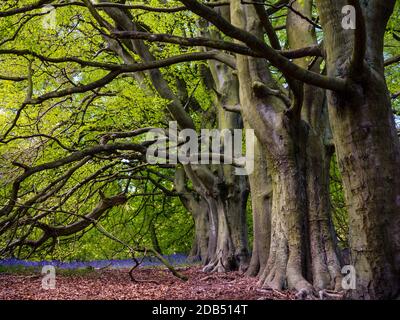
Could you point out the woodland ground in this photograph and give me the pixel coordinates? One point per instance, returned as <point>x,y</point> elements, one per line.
<point>151,283</point>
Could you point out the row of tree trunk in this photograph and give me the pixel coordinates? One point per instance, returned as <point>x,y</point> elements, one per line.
<point>294,239</point>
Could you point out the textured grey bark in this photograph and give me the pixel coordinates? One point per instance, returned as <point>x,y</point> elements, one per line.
<point>198,207</point>
<point>368,149</point>
<point>261,199</point>
<point>324,261</point>
<point>302,251</point>
<point>266,114</point>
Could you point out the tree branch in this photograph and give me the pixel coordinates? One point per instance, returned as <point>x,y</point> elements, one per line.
<point>288,68</point>
<point>31,7</point>
<point>360,41</point>
<point>105,5</point>
<point>392,60</point>
<point>15,79</point>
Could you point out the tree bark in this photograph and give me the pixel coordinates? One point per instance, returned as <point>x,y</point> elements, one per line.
<point>261,199</point>
<point>227,195</point>
<point>200,240</point>
<point>227,248</point>
<point>276,132</point>
<point>302,253</point>
<point>368,148</point>
<point>198,207</point>
<point>323,253</point>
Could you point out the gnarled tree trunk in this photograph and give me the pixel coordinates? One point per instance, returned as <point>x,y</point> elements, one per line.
<point>368,148</point>
<point>302,253</point>
<point>261,199</point>
<point>198,207</point>
<point>324,261</point>
<point>223,192</point>
<point>227,248</point>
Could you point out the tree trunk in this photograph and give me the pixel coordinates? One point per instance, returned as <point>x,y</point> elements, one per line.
<point>227,248</point>
<point>287,255</point>
<point>261,199</point>
<point>228,252</point>
<point>324,261</point>
<point>154,239</point>
<point>302,249</point>
<point>277,133</point>
<point>200,240</point>
<point>198,207</point>
<point>369,160</point>
<point>225,194</point>
<point>368,149</point>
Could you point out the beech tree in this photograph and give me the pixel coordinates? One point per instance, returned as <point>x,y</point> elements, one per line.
<point>307,76</point>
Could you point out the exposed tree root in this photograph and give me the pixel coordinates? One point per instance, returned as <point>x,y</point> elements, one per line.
<point>331,295</point>
<point>217,265</point>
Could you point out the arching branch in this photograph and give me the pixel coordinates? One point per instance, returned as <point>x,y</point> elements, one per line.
<point>279,61</point>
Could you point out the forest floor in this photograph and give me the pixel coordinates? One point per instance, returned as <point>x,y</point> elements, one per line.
<point>151,283</point>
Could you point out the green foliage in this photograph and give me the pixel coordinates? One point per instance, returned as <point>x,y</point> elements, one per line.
<point>392,48</point>
<point>79,121</point>
<point>338,206</point>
